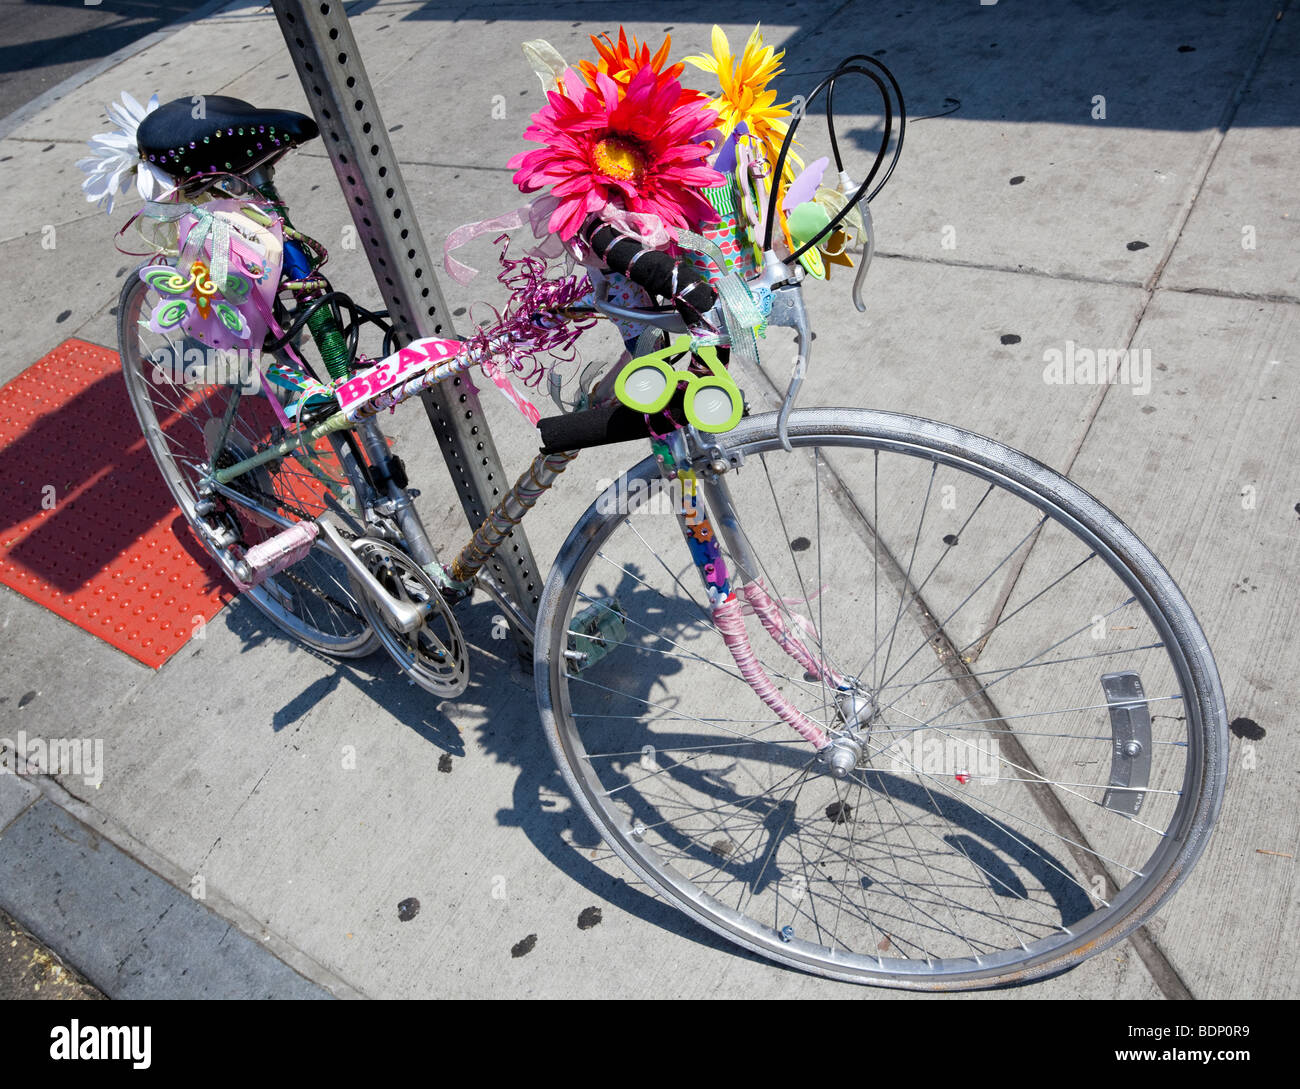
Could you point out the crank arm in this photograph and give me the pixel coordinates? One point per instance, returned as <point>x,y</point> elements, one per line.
<point>402,615</point>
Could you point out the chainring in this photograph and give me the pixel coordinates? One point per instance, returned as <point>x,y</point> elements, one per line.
<point>435,655</point>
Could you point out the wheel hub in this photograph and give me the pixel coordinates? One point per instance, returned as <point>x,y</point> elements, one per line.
<point>841,757</point>
<point>856,708</point>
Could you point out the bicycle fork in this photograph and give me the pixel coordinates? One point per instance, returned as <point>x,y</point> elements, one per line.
<point>738,590</point>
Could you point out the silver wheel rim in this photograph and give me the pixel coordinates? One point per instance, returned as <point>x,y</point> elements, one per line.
<point>1203,769</point>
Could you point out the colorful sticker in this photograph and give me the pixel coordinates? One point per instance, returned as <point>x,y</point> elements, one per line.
<point>402,366</point>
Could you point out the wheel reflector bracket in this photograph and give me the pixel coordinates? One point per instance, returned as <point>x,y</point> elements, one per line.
<point>595,631</point>
<point>1130,748</point>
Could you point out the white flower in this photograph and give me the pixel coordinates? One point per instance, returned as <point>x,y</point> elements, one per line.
<point>115,160</point>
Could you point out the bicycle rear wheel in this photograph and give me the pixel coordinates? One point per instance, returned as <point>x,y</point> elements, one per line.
<point>182,413</point>
<point>1039,727</point>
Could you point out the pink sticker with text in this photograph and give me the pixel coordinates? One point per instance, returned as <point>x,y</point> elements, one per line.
<point>414,359</point>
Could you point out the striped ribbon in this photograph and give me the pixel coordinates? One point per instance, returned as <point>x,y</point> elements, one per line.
<point>741,313</point>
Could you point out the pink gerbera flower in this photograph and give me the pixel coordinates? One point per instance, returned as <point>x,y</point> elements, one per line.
<point>639,149</point>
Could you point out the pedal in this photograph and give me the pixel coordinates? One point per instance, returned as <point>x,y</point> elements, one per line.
<point>273,555</point>
<point>595,632</point>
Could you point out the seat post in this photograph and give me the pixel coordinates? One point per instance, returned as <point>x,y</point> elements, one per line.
<point>263,178</point>
<point>324,330</point>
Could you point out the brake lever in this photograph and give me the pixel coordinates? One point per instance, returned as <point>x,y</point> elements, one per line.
<point>868,251</point>
<point>847,188</point>
<point>788,310</point>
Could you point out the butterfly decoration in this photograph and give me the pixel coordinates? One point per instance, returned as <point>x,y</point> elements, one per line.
<point>804,187</point>
<point>202,308</point>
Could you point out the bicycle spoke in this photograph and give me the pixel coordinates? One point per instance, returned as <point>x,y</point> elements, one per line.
<point>189,427</point>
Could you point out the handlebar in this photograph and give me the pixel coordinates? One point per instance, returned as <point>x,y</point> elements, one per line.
<point>675,279</point>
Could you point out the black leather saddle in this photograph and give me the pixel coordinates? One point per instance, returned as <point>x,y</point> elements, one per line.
<point>230,136</point>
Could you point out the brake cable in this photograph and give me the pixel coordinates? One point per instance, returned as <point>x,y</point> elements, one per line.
<point>828,85</point>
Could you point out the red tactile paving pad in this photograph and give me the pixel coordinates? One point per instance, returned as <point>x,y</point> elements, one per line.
<point>89,529</point>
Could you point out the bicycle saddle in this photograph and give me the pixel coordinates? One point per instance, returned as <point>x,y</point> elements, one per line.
<point>230,135</point>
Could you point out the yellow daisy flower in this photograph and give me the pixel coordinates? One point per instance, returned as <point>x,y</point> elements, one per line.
<point>745,95</point>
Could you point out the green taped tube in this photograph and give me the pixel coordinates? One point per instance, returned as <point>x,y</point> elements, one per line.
<point>330,342</point>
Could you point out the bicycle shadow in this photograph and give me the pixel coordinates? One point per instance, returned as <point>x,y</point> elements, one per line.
<point>1004,857</point>
<point>545,811</point>
<point>501,694</point>
<point>541,806</point>
<point>374,675</point>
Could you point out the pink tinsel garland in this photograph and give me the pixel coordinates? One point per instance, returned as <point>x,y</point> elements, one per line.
<point>532,324</point>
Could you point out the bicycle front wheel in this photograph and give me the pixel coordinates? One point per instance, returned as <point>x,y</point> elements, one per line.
<point>1036,726</point>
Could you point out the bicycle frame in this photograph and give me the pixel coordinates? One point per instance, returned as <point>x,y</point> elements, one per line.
<point>679,452</point>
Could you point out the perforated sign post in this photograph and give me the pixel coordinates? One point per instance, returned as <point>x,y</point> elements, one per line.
<point>329,65</point>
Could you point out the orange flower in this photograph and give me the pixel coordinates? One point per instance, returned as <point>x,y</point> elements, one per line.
<point>621,62</point>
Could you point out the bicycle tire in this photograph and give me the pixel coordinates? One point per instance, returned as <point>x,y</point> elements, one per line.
<point>992,848</point>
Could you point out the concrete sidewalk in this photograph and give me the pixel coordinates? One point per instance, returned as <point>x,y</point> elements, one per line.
<point>1019,219</point>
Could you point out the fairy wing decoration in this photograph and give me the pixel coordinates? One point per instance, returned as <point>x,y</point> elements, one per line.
<point>220,289</point>
<point>191,301</point>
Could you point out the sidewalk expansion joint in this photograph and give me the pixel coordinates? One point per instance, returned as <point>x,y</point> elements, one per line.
<point>1015,270</point>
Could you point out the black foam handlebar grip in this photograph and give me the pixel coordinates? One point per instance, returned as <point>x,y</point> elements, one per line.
<point>670,278</point>
<point>604,425</point>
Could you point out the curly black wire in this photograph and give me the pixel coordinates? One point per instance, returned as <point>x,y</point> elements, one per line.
<point>902,117</point>
<point>828,84</point>
<point>830,115</point>
<point>338,302</point>
<point>784,153</point>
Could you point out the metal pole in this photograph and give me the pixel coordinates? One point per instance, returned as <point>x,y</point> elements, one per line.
<point>329,65</point>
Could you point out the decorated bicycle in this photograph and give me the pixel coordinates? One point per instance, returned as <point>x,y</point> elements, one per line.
<point>870,695</point>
